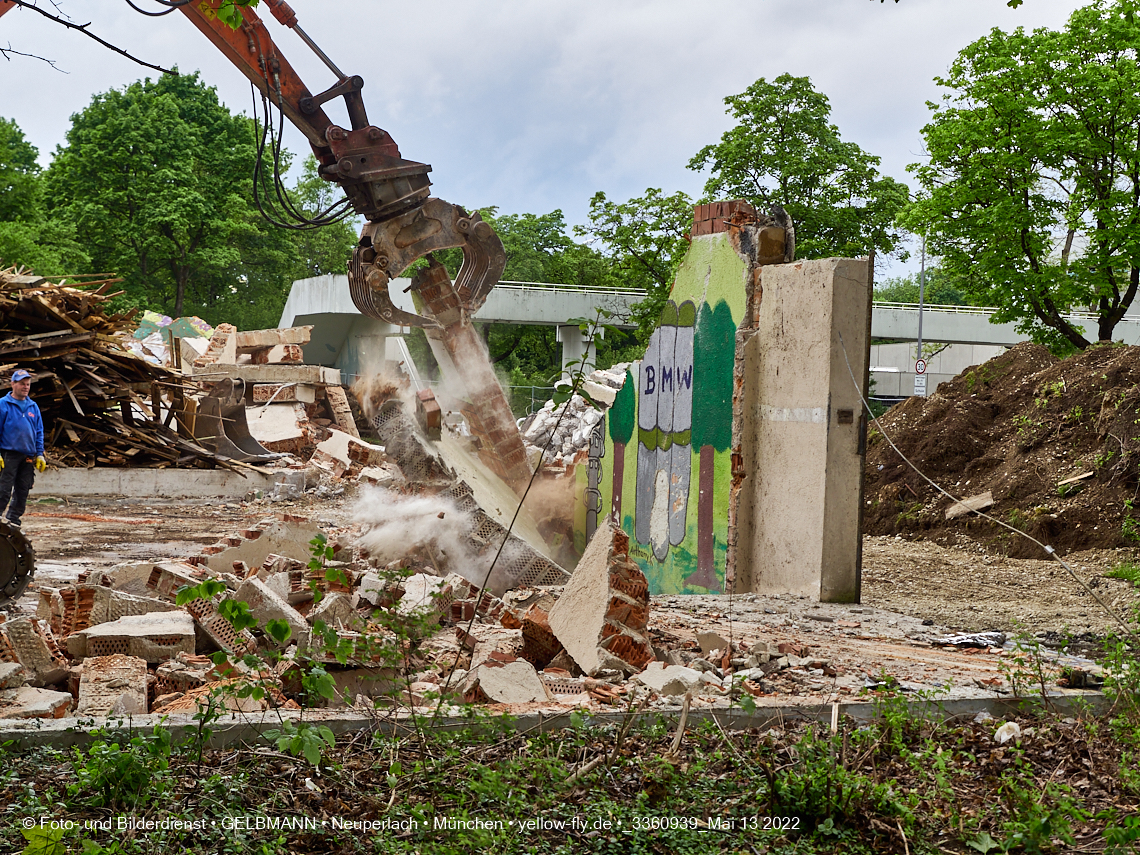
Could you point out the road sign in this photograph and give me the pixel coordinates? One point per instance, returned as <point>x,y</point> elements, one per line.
<point>920,366</point>
<point>920,385</point>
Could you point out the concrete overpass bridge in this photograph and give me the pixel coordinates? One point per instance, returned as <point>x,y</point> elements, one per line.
<point>345,339</point>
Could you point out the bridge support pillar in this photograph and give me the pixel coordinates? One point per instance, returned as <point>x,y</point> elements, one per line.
<point>574,348</point>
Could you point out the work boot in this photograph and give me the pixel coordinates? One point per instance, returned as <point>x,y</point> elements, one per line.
<point>12,522</point>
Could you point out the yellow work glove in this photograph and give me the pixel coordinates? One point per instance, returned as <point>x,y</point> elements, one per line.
<point>1,463</point>
<point>41,464</point>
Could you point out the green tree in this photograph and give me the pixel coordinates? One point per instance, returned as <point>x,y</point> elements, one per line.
<point>157,178</point>
<point>1033,183</point>
<point>644,240</point>
<point>27,236</point>
<point>942,289</point>
<point>327,249</point>
<point>784,151</point>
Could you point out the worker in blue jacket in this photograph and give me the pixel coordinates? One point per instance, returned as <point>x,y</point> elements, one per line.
<point>21,445</point>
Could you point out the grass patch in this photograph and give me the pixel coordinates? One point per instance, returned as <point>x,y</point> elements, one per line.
<point>1129,571</point>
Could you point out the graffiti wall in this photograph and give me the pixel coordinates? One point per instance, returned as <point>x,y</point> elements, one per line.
<point>659,459</point>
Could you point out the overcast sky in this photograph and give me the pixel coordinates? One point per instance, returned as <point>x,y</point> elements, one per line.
<point>533,106</point>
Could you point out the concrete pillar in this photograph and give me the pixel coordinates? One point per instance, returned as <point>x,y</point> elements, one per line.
<point>574,348</point>
<point>803,433</point>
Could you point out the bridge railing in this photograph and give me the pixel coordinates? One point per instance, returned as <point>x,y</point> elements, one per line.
<point>985,310</point>
<point>510,285</point>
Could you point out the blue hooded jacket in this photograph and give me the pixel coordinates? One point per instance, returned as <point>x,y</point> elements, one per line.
<point>21,426</point>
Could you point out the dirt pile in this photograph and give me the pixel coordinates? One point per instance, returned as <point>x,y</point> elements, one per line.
<point>1056,443</point>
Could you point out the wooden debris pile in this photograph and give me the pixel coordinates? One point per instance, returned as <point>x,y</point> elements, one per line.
<point>101,405</point>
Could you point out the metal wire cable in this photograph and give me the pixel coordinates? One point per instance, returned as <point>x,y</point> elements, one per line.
<point>171,7</point>
<point>292,217</point>
<point>1049,550</point>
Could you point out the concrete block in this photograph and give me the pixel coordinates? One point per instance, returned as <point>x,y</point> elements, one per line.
<point>604,605</point>
<point>316,375</point>
<point>388,475</point>
<point>335,610</point>
<point>192,347</point>
<point>113,685</point>
<point>122,482</point>
<point>289,537</point>
<point>669,680</point>
<point>29,702</point>
<point>39,656</point>
<point>425,595</point>
<point>372,591</point>
<point>222,348</point>
<point>279,427</point>
<point>251,340</point>
<point>710,641</point>
<point>605,395</point>
<point>505,683</point>
<point>341,410</point>
<point>154,637</point>
<point>167,577</point>
<point>360,685</point>
<point>180,675</point>
<point>78,607</point>
<point>13,675</point>
<point>266,606</point>
<point>801,423</point>
<point>218,631</point>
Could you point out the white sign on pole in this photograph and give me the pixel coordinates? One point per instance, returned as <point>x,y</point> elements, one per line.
<point>920,384</point>
<point>920,366</point>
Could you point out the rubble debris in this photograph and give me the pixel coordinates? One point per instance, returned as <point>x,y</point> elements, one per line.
<point>36,650</point>
<point>154,637</point>
<point>605,606</point>
<point>504,682</point>
<point>288,536</point>
<point>78,607</point>
<point>13,675</point>
<point>266,606</point>
<point>115,684</point>
<point>567,427</point>
<point>29,702</point>
<point>974,639</point>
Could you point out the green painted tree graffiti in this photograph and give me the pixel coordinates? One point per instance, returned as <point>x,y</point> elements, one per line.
<point>621,419</point>
<point>713,359</point>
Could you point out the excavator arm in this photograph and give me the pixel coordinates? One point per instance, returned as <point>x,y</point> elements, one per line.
<point>391,193</point>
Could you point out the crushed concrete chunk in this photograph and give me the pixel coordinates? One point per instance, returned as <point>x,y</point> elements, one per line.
<point>267,606</point>
<point>29,702</point>
<point>505,683</point>
<point>424,595</point>
<point>113,684</point>
<point>605,605</point>
<point>710,641</point>
<point>44,663</point>
<point>13,675</point>
<point>669,680</point>
<point>335,610</point>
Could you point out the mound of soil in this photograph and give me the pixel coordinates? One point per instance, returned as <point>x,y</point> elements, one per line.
<point>1017,426</point>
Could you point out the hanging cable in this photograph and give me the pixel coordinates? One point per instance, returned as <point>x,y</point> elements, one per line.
<point>290,216</point>
<point>170,5</point>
